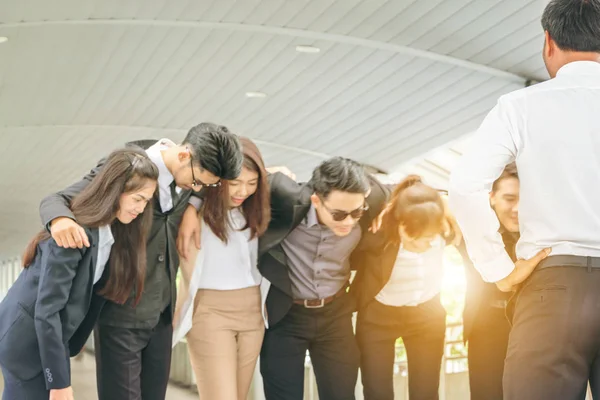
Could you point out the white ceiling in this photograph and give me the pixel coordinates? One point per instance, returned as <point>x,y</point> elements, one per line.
<point>394,80</point>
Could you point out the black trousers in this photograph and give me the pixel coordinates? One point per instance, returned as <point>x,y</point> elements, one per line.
<point>554,343</point>
<point>488,342</point>
<point>423,330</point>
<point>133,364</point>
<point>328,335</point>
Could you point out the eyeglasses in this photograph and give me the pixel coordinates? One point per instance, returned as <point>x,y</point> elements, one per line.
<point>198,182</point>
<point>339,215</point>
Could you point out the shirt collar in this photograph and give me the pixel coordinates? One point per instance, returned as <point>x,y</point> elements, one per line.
<point>237,218</point>
<point>311,218</point>
<point>165,178</point>
<point>580,68</point>
<point>105,236</point>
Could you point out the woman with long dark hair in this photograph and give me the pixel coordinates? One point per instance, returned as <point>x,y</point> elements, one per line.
<point>46,315</point>
<point>222,294</point>
<point>399,286</point>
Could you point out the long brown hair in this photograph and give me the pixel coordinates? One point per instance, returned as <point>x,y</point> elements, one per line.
<point>415,206</point>
<point>256,208</point>
<point>125,171</point>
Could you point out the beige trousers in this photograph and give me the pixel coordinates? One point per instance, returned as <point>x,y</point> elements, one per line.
<point>225,341</point>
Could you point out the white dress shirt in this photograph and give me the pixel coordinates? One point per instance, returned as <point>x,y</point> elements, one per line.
<point>165,178</point>
<point>231,265</point>
<point>552,130</point>
<point>416,277</point>
<point>105,242</point>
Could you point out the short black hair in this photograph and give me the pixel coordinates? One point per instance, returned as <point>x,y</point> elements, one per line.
<point>340,174</point>
<point>573,24</point>
<point>216,149</point>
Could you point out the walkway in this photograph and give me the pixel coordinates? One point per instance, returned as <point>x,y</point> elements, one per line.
<point>84,382</point>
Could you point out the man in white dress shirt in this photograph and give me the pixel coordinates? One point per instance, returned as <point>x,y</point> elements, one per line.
<point>552,130</point>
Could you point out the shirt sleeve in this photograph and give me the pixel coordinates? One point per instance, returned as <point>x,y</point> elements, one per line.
<point>196,202</point>
<point>57,204</point>
<point>471,181</point>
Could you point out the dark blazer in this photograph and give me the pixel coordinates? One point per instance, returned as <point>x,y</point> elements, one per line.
<point>375,265</point>
<point>479,293</point>
<point>290,203</point>
<point>162,258</point>
<point>41,316</point>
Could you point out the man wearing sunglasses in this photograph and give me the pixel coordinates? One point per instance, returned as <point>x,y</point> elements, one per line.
<point>305,254</point>
<point>133,345</point>
<point>305,259</point>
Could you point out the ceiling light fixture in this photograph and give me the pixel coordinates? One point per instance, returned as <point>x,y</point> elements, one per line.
<point>307,49</point>
<point>3,39</point>
<point>256,95</point>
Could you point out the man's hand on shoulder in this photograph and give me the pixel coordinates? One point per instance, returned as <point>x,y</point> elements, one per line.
<point>68,233</point>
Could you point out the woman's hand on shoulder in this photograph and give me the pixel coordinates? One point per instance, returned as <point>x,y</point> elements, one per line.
<point>378,221</point>
<point>282,169</point>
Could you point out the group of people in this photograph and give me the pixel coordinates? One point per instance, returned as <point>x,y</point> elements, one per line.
<point>274,268</point>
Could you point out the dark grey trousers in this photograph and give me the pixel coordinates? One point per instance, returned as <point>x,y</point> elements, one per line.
<point>554,344</point>
<point>133,364</point>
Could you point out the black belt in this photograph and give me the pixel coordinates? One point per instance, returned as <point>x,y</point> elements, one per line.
<point>569,261</point>
<point>320,303</point>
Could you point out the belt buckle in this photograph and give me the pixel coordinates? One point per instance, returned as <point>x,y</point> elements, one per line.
<point>322,304</point>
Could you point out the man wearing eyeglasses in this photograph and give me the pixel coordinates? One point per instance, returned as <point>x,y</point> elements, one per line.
<point>305,254</point>
<point>133,345</point>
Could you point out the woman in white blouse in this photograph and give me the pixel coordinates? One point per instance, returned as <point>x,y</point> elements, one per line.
<point>220,307</point>
<point>399,292</point>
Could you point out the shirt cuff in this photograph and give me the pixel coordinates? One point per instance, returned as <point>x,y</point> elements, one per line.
<point>497,269</point>
<point>196,202</point>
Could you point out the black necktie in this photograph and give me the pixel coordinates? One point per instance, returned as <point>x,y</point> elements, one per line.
<point>174,195</point>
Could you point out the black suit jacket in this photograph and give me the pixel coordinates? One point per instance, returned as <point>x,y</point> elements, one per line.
<point>375,265</point>
<point>290,203</point>
<point>161,252</point>
<point>43,311</point>
<point>479,293</point>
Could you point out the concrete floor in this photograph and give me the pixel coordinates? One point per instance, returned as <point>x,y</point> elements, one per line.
<point>84,382</point>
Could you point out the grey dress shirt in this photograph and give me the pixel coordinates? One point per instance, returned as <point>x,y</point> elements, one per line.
<point>318,260</point>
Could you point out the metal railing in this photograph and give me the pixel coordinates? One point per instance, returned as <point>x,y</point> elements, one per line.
<point>9,271</point>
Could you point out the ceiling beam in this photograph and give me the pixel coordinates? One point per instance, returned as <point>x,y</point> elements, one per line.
<point>153,129</point>
<point>300,33</point>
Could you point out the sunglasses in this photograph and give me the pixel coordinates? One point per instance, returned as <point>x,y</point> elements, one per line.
<point>339,215</point>
<point>198,182</point>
